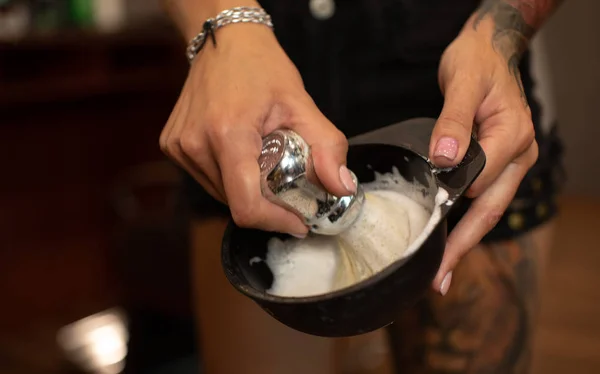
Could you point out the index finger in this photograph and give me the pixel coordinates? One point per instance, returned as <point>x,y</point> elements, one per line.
<point>484,214</point>
<point>503,139</point>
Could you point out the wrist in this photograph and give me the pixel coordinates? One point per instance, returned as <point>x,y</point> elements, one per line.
<point>233,16</point>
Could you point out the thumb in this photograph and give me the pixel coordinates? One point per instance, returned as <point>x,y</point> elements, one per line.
<point>452,132</point>
<point>329,148</point>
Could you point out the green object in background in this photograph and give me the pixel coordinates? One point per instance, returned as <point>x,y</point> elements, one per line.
<point>82,12</point>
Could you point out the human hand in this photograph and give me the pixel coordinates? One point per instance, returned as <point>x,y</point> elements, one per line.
<point>480,80</point>
<point>234,95</point>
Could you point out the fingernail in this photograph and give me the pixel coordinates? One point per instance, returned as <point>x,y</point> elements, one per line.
<point>446,284</point>
<point>347,179</point>
<point>446,147</point>
<point>299,236</point>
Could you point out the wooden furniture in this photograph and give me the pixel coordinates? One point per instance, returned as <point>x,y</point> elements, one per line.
<point>77,112</point>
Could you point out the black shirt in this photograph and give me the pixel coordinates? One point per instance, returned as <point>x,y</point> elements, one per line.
<point>375,63</point>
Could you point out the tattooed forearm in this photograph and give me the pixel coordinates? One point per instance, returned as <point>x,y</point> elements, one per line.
<point>515,20</point>
<point>486,322</point>
<point>515,23</point>
<point>533,12</point>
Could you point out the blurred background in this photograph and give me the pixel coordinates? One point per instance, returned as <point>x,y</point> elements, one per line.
<point>88,207</point>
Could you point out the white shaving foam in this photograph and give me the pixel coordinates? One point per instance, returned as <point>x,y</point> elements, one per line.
<point>397,217</point>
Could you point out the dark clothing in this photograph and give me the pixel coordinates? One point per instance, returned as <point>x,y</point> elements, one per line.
<point>375,63</point>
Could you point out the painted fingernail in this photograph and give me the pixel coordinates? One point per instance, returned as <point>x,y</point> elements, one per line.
<point>446,284</point>
<point>347,179</point>
<point>446,147</point>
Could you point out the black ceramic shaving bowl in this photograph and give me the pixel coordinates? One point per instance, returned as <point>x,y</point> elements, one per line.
<point>376,301</point>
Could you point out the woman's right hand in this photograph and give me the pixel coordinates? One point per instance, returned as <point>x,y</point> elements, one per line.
<point>235,94</point>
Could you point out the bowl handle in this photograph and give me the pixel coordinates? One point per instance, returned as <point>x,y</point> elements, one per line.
<point>414,134</point>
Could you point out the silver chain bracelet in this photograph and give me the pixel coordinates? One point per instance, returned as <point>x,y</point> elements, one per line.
<point>226,17</point>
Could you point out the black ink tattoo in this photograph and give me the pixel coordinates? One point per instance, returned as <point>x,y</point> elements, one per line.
<point>484,325</point>
<point>515,23</point>
<point>510,37</point>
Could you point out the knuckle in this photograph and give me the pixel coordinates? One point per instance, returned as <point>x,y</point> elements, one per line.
<point>339,138</point>
<point>492,216</point>
<point>534,153</point>
<point>217,131</point>
<point>475,190</point>
<point>527,139</point>
<point>162,143</point>
<point>191,144</point>
<point>455,119</point>
<point>529,134</point>
<point>169,144</point>
<point>244,216</point>
<point>174,145</point>
<point>165,139</point>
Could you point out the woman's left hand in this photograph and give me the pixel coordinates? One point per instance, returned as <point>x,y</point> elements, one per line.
<point>480,80</point>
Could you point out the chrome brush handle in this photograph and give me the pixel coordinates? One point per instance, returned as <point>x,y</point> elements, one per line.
<point>286,169</point>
